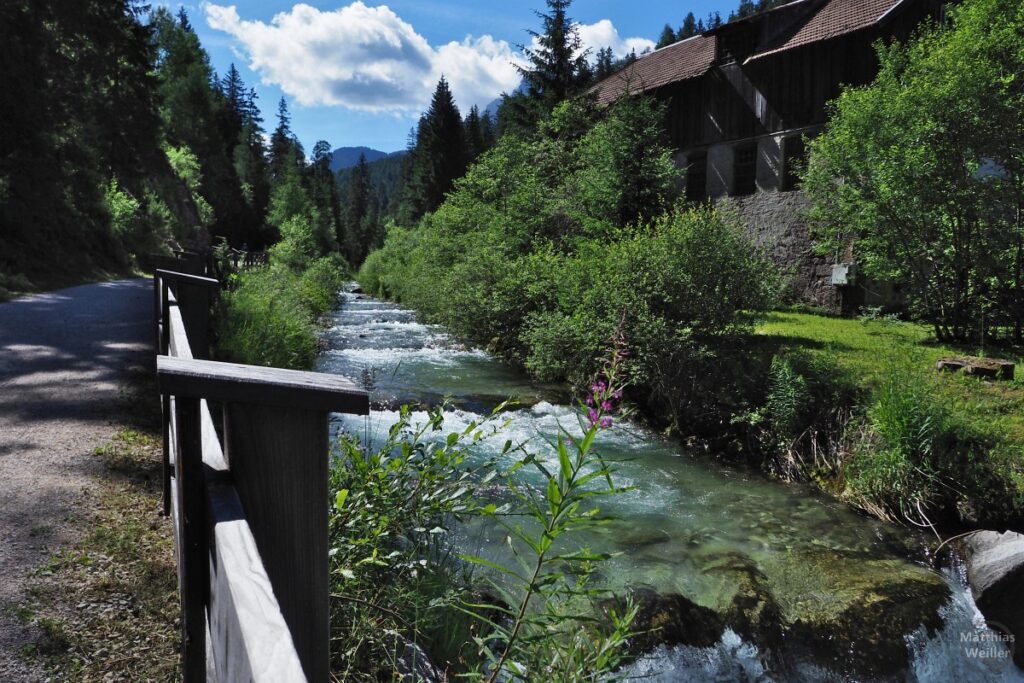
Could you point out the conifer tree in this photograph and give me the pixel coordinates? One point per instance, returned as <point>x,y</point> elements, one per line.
<point>194,116</point>
<point>78,110</point>
<point>605,65</point>
<point>283,145</point>
<point>668,36</point>
<point>474,134</point>
<point>558,67</point>
<point>325,195</point>
<point>689,27</point>
<point>439,157</point>
<point>355,242</point>
<point>488,132</point>
<point>233,90</point>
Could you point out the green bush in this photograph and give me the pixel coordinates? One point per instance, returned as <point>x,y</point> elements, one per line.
<point>270,317</point>
<point>392,507</point>
<point>396,585</point>
<point>684,282</point>
<point>264,322</point>
<point>800,425</point>
<point>320,283</point>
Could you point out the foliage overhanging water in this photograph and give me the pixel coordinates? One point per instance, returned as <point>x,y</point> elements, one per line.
<point>689,522</point>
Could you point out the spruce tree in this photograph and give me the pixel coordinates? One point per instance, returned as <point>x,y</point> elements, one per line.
<point>79,108</point>
<point>668,36</point>
<point>355,243</point>
<point>233,90</point>
<point>439,157</point>
<point>558,68</point>
<point>605,65</point>
<point>194,115</point>
<point>474,134</point>
<point>282,142</point>
<point>325,197</point>
<point>689,27</point>
<point>488,132</point>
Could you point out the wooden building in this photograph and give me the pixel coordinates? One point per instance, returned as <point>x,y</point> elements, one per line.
<point>743,98</point>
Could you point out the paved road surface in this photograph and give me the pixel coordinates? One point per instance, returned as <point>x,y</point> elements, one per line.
<point>63,359</point>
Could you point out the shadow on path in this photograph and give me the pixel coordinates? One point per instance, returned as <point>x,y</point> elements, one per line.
<point>64,359</point>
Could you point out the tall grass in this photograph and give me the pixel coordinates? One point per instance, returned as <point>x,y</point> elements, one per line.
<point>914,459</point>
<point>270,317</point>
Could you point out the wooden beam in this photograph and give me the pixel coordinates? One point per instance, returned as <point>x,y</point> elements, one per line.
<point>249,639</point>
<point>178,342</point>
<point>198,280</point>
<point>193,549</point>
<point>249,384</point>
<point>194,296</point>
<point>278,459</point>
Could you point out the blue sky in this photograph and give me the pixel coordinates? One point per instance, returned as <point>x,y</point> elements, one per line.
<point>360,73</point>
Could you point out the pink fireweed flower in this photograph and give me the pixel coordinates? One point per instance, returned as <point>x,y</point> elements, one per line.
<point>606,389</point>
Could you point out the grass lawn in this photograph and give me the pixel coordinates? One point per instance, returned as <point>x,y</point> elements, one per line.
<point>868,349</point>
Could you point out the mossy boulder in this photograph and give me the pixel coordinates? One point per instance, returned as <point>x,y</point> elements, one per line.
<point>845,612</point>
<point>668,619</point>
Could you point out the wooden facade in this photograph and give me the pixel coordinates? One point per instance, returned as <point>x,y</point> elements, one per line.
<point>741,101</point>
<point>769,75</point>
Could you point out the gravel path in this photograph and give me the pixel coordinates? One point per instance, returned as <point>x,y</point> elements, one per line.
<point>63,359</point>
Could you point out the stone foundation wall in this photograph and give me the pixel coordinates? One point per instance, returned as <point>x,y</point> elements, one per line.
<point>773,220</point>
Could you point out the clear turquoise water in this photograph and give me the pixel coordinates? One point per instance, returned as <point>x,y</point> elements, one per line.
<point>684,513</point>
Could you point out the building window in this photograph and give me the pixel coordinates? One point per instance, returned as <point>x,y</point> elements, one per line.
<point>697,176</point>
<point>744,169</point>
<point>794,155</point>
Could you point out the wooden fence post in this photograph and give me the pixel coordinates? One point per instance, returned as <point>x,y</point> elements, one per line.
<point>194,296</point>
<point>279,459</point>
<point>276,448</point>
<point>193,550</point>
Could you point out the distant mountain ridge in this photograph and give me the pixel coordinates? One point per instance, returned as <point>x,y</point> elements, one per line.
<point>347,157</point>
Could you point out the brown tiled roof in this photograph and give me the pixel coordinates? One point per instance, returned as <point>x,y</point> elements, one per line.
<point>686,59</point>
<point>834,19</point>
<point>693,57</point>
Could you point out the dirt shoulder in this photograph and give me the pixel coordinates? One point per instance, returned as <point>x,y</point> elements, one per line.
<point>65,358</point>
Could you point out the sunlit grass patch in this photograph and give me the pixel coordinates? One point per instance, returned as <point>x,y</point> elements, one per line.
<point>985,417</point>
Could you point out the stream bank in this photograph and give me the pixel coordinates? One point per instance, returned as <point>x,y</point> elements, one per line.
<point>745,578</point>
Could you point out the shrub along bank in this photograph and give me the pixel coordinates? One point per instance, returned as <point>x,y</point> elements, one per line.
<point>546,246</point>
<point>270,315</point>
<point>528,257</point>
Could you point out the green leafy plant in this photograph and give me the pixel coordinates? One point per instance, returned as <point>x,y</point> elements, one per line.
<point>546,629</point>
<point>270,316</point>
<point>393,504</point>
<point>915,458</point>
<point>402,601</point>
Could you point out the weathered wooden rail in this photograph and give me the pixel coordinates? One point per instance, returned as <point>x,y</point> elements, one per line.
<point>249,504</point>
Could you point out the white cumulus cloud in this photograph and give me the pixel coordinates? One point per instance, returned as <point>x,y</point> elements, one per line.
<point>369,59</point>
<point>603,33</point>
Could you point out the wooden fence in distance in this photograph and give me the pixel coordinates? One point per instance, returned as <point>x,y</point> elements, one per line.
<point>249,508</point>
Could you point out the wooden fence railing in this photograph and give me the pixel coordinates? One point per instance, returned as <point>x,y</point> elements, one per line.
<point>249,504</point>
